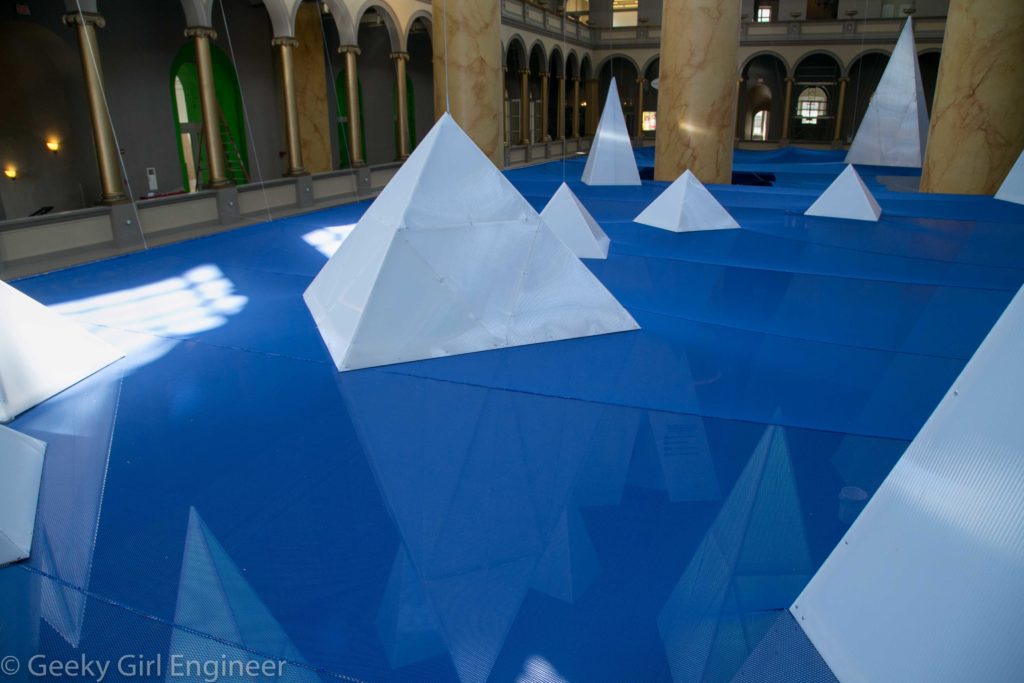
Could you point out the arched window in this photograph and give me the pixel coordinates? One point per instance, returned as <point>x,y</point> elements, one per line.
<point>812,105</point>
<point>759,127</point>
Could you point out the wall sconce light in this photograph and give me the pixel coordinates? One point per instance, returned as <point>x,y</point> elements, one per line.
<point>53,145</point>
<point>11,172</point>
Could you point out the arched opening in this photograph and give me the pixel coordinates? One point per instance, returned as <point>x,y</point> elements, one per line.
<point>556,67</point>
<point>515,63</point>
<point>378,87</point>
<point>759,127</point>
<point>929,65</point>
<point>420,72</point>
<point>188,118</point>
<point>625,74</point>
<point>538,64</point>
<point>816,92</point>
<point>865,73</point>
<point>650,111</point>
<point>762,89</point>
<point>590,110</point>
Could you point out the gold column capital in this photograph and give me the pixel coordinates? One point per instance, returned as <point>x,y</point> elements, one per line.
<point>844,79</point>
<point>201,32</point>
<point>544,74</point>
<point>287,41</point>
<point>524,72</point>
<point>404,56</point>
<point>84,19</point>
<point>560,77</point>
<point>349,49</point>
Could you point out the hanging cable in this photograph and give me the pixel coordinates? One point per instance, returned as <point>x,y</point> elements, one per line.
<point>444,18</point>
<point>110,121</point>
<point>344,141</point>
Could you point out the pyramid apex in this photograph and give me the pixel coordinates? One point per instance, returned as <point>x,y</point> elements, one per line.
<point>687,206</point>
<point>847,197</point>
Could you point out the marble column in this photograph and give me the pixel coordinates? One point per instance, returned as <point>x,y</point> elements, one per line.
<point>524,106</point>
<point>560,105</point>
<point>355,123</point>
<point>284,47</point>
<point>107,155</point>
<point>317,109</point>
<point>841,105</point>
<point>576,107</point>
<point>473,54</point>
<point>543,106</point>
<point>976,132</point>
<point>593,105</point>
<point>640,108</point>
<point>787,115</point>
<point>400,58</point>
<point>217,167</point>
<point>697,89</point>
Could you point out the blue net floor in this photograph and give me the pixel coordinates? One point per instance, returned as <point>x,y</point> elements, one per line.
<point>631,507</point>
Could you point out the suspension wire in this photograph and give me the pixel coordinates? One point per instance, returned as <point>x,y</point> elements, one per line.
<point>444,18</point>
<point>117,144</point>
<point>344,139</point>
<point>245,115</point>
<point>860,75</point>
<point>561,91</point>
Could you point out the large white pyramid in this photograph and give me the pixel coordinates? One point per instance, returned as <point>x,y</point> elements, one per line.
<point>686,206</point>
<point>925,585</point>
<point>610,160</point>
<point>1012,189</point>
<point>573,224</point>
<point>451,259</point>
<point>21,470</point>
<point>894,130</point>
<point>42,353</point>
<point>847,197</point>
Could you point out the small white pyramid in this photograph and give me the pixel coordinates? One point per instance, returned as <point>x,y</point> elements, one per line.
<point>21,470</point>
<point>610,160</point>
<point>1012,189</point>
<point>573,224</point>
<point>686,206</point>
<point>451,259</point>
<point>894,130</point>
<point>847,197</point>
<point>42,353</point>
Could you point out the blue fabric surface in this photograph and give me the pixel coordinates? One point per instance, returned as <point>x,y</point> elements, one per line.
<point>224,490</point>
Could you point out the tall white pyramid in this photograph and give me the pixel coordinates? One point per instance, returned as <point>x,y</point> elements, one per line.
<point>894,131</point>
<point>686,206</point>
<point>610,160</point>
<point>1012,189</point>
<point>451,259</point>
<point>847,197</point>
<point>21,471</point>
<point>573,224</point>
<point>42,353</point>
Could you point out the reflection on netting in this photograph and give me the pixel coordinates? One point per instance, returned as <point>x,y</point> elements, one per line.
<point>328,240</point>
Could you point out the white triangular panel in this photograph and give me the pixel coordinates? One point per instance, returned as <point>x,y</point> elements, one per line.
<point>847,197</point>
<point>925,585</point>
<point>686,206</point>
<point>451,259</point>
<point>1012,189</point>
<point>573,224</point>
<point>894,130</point>
<point>610,160</point>
<point>21,470</point>
<point>42,353</point>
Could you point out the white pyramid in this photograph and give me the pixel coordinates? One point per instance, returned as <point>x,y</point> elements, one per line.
<point>894,130</point>
<point>686,206</point>
<point>847,197</point>
<point>573,224</point>
<point>42,353</point>
<point>1012,189</point>
<point>610,160</point>
<point>21,470</point>
<point>451,259</point>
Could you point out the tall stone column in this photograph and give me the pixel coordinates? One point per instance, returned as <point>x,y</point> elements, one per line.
<point>560,105</point>
<point>697,89</point>
<point>284,47</point>
<point>201,36</point>
<point>524,106</point>
<point>355,123</point>
<point>787,114</point>
<point>576,107</point>
<point>107,154</point>
<point>640,108</point>
<point>841,105</point>
<point>400,58</point>
<point>593,105</point>
<point>467,47</point>
<point>976,132</point>
<point>543,106</point>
